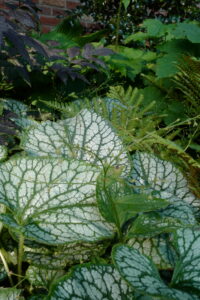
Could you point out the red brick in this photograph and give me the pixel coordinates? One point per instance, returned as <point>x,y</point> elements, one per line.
<point>46,29</point>
<point>58,12</point>
<point>2,4</point>
<point>58,3</point>
<point>45,10</point>
<point>49,20</point>
<point>72,5</point>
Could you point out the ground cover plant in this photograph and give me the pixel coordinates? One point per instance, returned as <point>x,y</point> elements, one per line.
<point>78,211</point>
<point>99,195</point>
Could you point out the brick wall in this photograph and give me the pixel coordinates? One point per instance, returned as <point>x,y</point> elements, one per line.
<point>50,9</point>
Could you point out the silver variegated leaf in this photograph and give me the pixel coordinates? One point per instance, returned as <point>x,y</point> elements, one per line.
<point>52,200</point>
<point>2,210</point>
<point>187,270</point>
<point>87,136</point>
<point>3,273</point>
<point>91,282</point>
<point>81,252</point>
<point>158,249</point>
<point>10,294</point>
<point>63,256</point>
<point>3,152</point>
<point>139,271</point>
<point>152,174</point>
<point>43,277</point>
<point>45,259</point>
<point>152,224</point>
<point>16,107</point>
<point>180,210</point>
<point>24,123</point>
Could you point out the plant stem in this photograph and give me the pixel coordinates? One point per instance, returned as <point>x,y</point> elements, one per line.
<point>118,23</point>
<point>6,267</point>
<point>20,256</point>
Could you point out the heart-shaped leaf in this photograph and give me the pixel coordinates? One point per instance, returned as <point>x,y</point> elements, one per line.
<point>62,256</point>
<point>43,277</point>
<point>141,203</point>
<point>157,248</point>
<point>152,174</point>
<point>110,186</point>
<point>126,3</point>
<point>153,224</point>
<point>3,273</point>
<point>16,107</point>
<point>24,123</point>
<point>187,270</point>
<point>10,294</point>
<point>180,210</point>
<point>3,152</point>
<point>143,276</point>
<point>51,200</point>
<point>86,136</point>
<point>91,282</point>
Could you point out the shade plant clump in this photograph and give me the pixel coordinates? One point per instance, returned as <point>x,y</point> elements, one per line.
<point>71,194</point>
<point>99,195</point>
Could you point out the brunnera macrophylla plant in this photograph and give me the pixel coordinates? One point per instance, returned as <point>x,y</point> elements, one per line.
<point>73,196</point>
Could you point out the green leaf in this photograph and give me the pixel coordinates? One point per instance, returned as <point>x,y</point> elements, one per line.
<point>3,152</point>
<point>166,66</point>
<point>143,276</point>
<point>86,136</point>
<point>158,249</point>
<point>3,273</point>
<point>138,36</point>
<point>189,31</point>
<point>43,277</point>
<point>91,282</point>
<point>155,28</point>
<point>153,175</point>
<point>52,200</point>
<point>126,3</point>
<point>44,259</point>
<point>140,203</point>
<point>24,123</point>
<point>153,224</point>
<point>180,210</point>
<point>62,256</point>
<point>10,294</point>
<point>15,106</point>
<point>1,107</point>
<point>110,186</point>
<point>187,270</point>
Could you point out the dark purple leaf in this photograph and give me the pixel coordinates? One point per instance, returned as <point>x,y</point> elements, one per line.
<point>77,61</point>
<point>36,45</point>
<point>87,64</point>
<point>88,51</point>
<point>25,19</point>
<point>99,62</point>
<point>73,52</point>
<point>103,52</point>
<point>18,43</point>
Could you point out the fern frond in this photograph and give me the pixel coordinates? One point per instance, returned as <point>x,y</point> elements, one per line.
<point>68,109</point>
<point>188,82</point>
<point>135,120</point>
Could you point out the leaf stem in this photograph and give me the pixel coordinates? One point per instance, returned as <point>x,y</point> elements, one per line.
<point>6,267</point>
<point>118,23</point>
<point>20,256</point>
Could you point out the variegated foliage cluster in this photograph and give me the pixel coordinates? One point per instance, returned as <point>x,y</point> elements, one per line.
<point>74,191</point>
